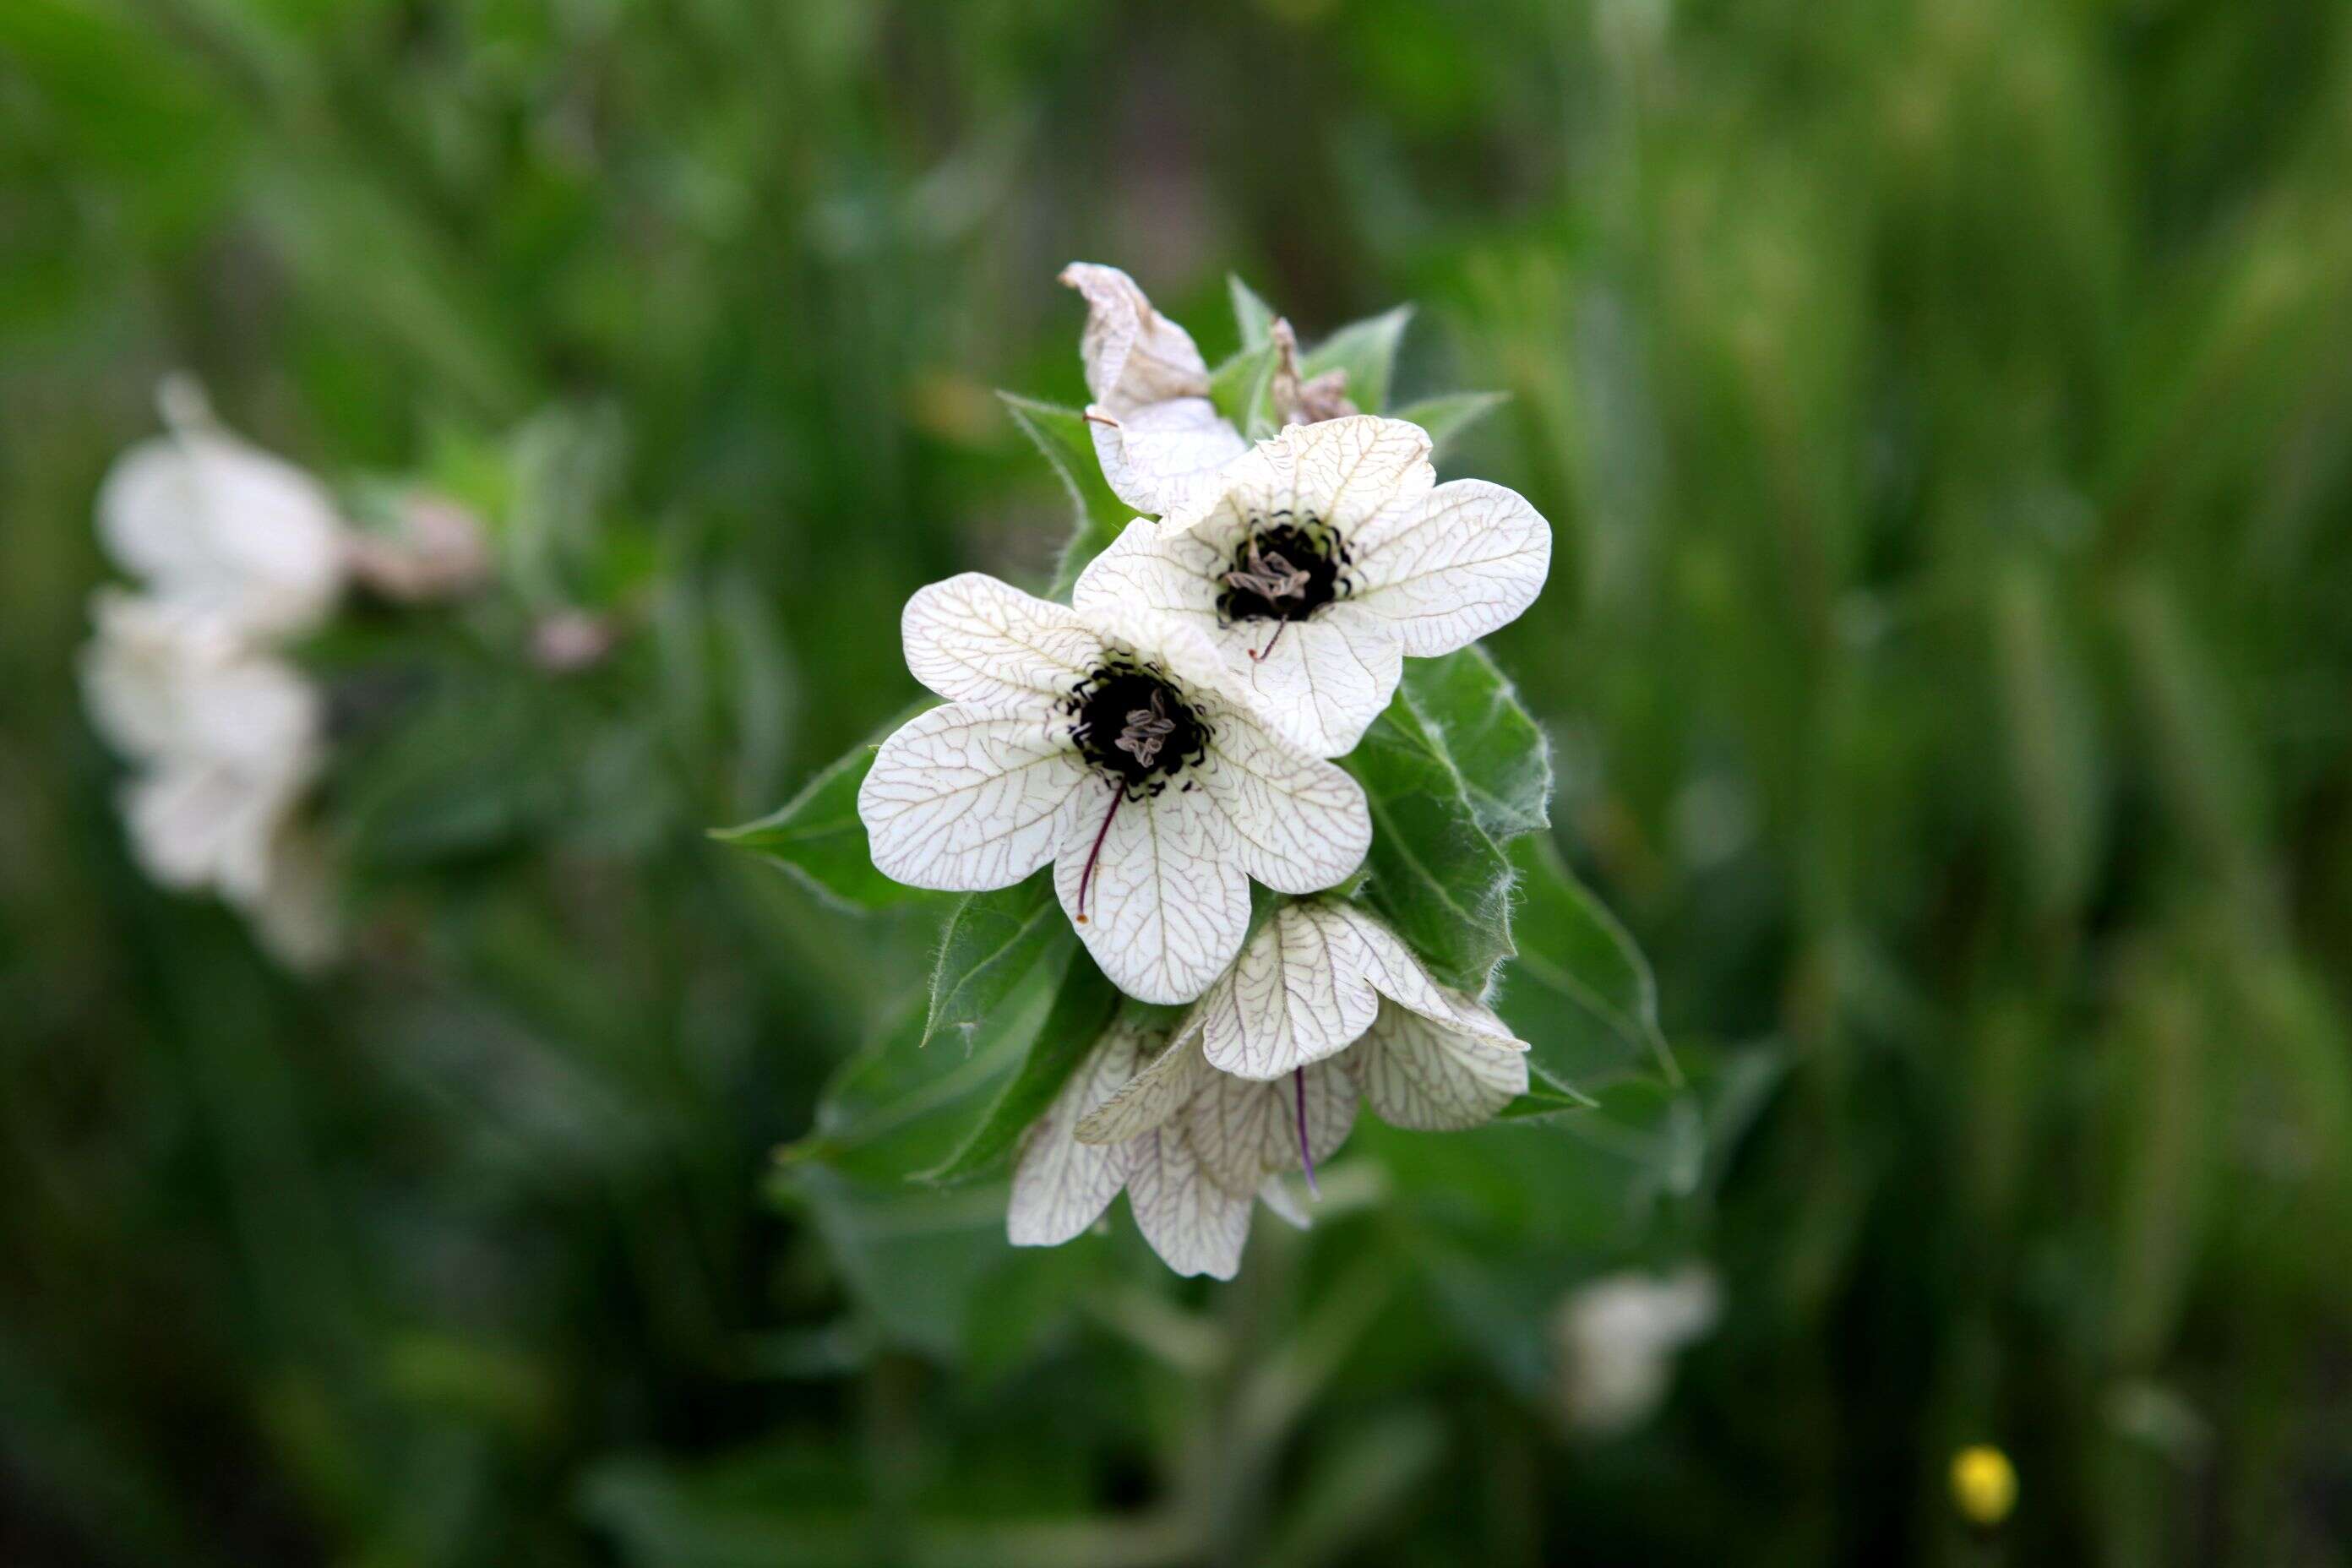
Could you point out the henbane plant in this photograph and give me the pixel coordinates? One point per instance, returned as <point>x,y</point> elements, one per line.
<point>1215,693</point>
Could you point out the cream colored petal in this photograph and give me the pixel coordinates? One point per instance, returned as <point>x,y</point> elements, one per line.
<point>965,799</point>
<point>973,639</point>
<point>1244,1131</point>
<point>1167,902</point>
<point>1393,971</point>
<point>1152,1096</point>
<point>1470,559</point>
<point>1166,457</point>
<point>1177,578</point>
<point>1296,994</point>
<point>1319,683</point>
<point>1350,474</point>
<point>1428,1077</point>
<point>1060,1186</point>
<point>1134,356</point>
<point>1301,825</point>
<point>217,525</point>
<point>1195,1225</point>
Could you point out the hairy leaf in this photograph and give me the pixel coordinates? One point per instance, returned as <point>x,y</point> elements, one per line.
<point>1449,413</point>
<point>817,837</point>
<point>1504,760</point>
<point>1067,443</point>
<point>1580,995</point>
<point>991,943</point>
<point>1435,872</point>
<point>1084,1005</point>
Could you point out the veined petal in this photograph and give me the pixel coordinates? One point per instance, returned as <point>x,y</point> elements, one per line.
<point>1468,559</point>
<point>1195,1225</point>
<point>1060,1186</point>
<point>1296,994</point>
<point>1243,1132</point>
<point>1164,458</point>
<point>1350,474</point>
<point>1425,1076</point>
<point>1300,824</point>
<point>1391,969</point>
<point>1166,902</point>
<point>1133,354</point>
<point>1319,683</point>
<point>974,639</point>
<point>965,799</point>
<point>1172,577</point>
<point>1146,1101</point>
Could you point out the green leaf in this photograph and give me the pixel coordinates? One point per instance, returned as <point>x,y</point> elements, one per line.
<point>991,943</point>
<point>1238,388</point>
<point>1083,1006</point>
<point>1367,351</point>
<point>817,837</point>
<point>1546,1099</point>
<point>1447,415</point>
<point>1252,315</point>
<point>1436,873</point>
<point>1067,443</point>
<point>1581,994</point>
<point>1502,752</point>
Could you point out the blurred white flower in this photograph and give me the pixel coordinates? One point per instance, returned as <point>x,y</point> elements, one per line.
<point>1618,1337</point>
<point>1318,561</point>
<point>224,741</point>
<point>1196,1222</point>
<point>210,524</point>
<point>1110,745</point>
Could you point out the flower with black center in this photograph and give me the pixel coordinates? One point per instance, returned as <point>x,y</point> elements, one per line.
<point>1112,744</point>
<point>1320,560</point>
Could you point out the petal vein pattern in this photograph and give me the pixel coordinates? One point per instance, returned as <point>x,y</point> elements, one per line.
<point>1301,825</point>
<point>1060,1186</point>
<point>1168,901</point>
<point>966,800</point>
<point>974,639</point>
<point>1422,1076</point>
<point>1467,560</point>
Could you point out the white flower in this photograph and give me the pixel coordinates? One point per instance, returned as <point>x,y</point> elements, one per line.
<point>225,741</point>
<point>1319,560</point>
<point>1112,746</point>
<point>1618,1337</point>
<point>214,525</point>
<point>1158,436</point>
<point>1184,1207</point>
<point>1323,1003</point>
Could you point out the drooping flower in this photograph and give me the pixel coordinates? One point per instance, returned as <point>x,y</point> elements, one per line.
<point>1318,561</point>
<point>1112,745</point>
<point>1618,1337</point>
<point>212,524</point>
<point>1157,434</point>
<point>225,741</point>
<point>1323,1004</point>
<point>1178,1188</point>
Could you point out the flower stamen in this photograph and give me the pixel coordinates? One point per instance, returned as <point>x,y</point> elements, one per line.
<point>1086,877</point>
<point>1306,1152</point>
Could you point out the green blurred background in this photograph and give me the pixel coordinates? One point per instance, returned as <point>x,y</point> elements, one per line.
<point>1942,407</point>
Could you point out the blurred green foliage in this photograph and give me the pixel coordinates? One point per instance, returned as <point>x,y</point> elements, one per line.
<point>1942,407</point>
